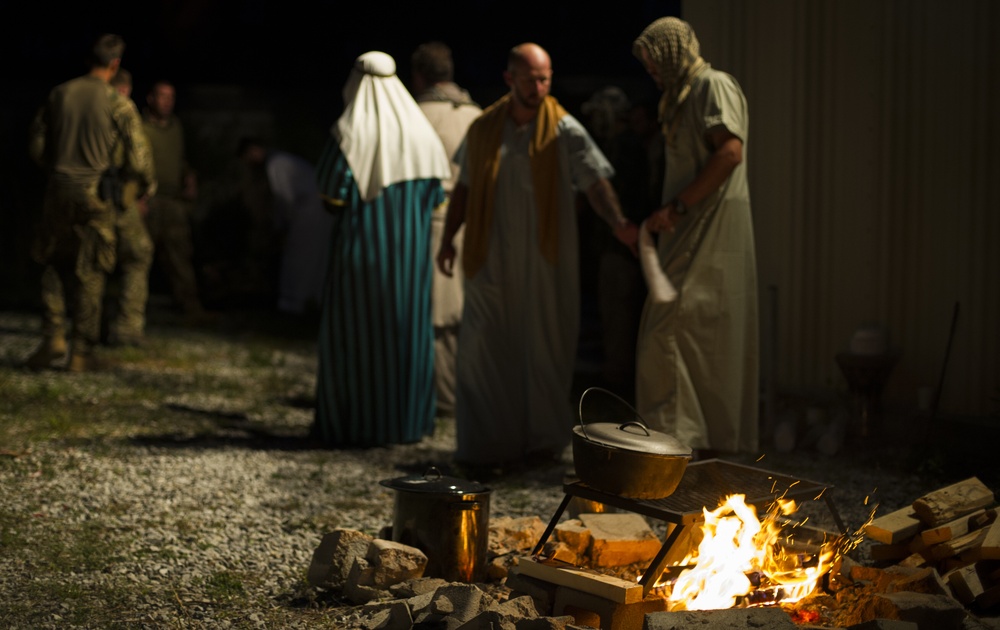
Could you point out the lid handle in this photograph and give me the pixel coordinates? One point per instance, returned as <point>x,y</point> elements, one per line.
<point>634,423</point>
<point>635,413</point>
<point>432,474</point>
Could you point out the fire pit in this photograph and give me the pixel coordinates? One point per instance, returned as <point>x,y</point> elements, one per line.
<point>705,484</point>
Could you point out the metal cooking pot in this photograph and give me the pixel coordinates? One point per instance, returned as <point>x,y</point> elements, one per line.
<point>446,518</point>
<point>628,459</point>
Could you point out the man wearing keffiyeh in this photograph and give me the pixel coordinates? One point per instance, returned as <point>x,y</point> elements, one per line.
<point>697,353</point>
<point>523,162</point>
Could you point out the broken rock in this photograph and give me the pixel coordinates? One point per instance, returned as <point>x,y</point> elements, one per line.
<point>332,561</point>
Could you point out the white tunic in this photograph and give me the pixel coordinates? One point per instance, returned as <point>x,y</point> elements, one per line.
<point>517,345</point>
<point>697,356</point>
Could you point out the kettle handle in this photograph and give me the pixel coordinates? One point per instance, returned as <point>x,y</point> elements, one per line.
<point>640,420</point>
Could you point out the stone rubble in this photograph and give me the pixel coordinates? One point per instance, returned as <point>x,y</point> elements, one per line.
<point>177,509</point>
<point>856,596</point>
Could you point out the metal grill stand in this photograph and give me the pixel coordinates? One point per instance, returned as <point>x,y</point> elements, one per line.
<point>705,483</point>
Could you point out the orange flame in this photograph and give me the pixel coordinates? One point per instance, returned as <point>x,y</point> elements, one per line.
<point>735,546</point>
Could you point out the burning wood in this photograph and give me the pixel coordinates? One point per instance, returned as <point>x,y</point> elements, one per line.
<point>744,560</point>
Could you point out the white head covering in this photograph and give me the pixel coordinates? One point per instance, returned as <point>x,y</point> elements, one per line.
<point>383,133</point>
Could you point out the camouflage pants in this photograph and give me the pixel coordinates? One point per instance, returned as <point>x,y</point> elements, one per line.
<point>135,257</point>
<point>76,243</point>
<point>169,226</point>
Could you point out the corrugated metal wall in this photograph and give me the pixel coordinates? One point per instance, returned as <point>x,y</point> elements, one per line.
<point>874,149</point>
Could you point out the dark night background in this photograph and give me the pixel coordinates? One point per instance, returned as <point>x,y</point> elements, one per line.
<point>281,66</point>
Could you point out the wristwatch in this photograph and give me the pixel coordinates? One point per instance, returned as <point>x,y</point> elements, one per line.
<point>679,206</point>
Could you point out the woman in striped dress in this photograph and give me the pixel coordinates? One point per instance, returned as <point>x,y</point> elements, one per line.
<point>380,176</point>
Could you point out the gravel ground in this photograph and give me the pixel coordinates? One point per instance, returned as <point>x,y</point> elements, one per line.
<point>178,487</point>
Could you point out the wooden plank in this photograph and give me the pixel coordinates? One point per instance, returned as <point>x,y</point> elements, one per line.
<point>584,580</point>
<point>951,548</point>
<point>953,529</point>
<point>894,527</point>
<point>965,584</point>
<point>990,549</point>
<point>914,560</point>
<point>947,504</point>
<point>882,552</point>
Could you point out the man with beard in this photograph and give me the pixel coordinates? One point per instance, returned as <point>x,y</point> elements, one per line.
<point>523,162</point>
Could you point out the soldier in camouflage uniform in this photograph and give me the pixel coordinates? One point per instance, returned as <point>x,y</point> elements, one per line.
<point>72,138</point>
<point>135,247</point>
<point>169,216</point>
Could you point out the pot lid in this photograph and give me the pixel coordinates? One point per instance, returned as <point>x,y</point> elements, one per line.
<point>433,482</point>
<point>633,436</point>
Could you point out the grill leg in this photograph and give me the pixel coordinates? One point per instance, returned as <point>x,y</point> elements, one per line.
<point>835,513</point>
<point>656,566</point>
<point>552,524</point>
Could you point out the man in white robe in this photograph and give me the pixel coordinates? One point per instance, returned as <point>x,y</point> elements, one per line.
<point>522,163</point>
<point>697,354</point>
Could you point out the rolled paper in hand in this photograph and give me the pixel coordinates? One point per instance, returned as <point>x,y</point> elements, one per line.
<point>659,286</point>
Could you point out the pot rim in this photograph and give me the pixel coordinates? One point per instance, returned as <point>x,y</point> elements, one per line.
<point>633,435</point>
<point>616,436</point>
<point>433,482</point>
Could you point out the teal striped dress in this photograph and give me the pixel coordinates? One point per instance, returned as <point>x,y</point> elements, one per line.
<point>376,342</point>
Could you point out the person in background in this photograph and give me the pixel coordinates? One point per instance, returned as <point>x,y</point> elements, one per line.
<point>450,110</point>
<point>697,357</point>
<point>301,222</point>
<point>169,216</point>
<point>617,125</point>
<point>73,138</point>
<point>380,176</point>
<point>523,161</point>
<point>135,248</point>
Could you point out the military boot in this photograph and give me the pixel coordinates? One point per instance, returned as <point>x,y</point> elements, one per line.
<point>49,350</point>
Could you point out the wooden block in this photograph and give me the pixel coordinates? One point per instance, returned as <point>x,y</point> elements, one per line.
<point>955,547</point>
<point>619,539</point>
<point>894,527</point>
<point>917,545</point>
<point>914,560</point>
<point>586,581</point>
<point>890,552</point>
<point>965,584</point>
<point>986,518</point>
<point>950,564</point>
<point>953,529</point>
<point>947,504</point>
<point>990,547</point>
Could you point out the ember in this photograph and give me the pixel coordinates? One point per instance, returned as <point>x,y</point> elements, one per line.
<point>805,616</point>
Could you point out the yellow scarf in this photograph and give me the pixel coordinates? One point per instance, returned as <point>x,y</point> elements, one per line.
<point>483,146</point>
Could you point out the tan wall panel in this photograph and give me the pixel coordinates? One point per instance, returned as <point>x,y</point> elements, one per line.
<point>872,156</point>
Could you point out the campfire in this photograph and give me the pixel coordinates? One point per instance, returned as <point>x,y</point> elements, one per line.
<point>750,561</point>
<point>742,559</point>
<point>738,557</point>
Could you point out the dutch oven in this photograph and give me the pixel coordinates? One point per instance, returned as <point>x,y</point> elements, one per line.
<point>628,459</point>
<point>445,517</point>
